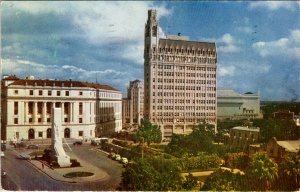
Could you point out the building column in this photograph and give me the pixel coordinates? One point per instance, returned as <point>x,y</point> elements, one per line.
<point>44,113</point>
<point>71,113</point>
<point>62,112</point>
<point>26,112</point>
<point>35,109</point>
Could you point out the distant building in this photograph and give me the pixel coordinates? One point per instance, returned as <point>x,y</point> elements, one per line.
<point>279,149</point>
<point>242,137</point>
<point>180,80</point>
<point>88,109</point>
<point>133,105</point>
<point>233,105</point>
<point>284,114</point>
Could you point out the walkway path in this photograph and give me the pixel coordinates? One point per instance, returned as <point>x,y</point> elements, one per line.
<point>57,174</point>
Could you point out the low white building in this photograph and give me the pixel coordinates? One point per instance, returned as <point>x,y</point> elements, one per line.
<point>233,105</point>
<point>88,109</point>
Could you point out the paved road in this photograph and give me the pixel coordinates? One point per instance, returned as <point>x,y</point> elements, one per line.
<point>21,175</point>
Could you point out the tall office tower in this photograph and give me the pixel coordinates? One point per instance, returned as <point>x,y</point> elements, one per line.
<point>133,105</point>
<point>179,80</point>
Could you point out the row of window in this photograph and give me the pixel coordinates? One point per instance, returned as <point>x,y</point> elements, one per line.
<point>192,68</point>
<point>184,59</point>
<point>187,88</point>
<point>49,93</point>
<point>181,114</point>
<point>184,107</point>
<point>183,101</point>
<point>182,74</point>
<point>188,50</point>
<point>30,120</point>
<point>40,106</point>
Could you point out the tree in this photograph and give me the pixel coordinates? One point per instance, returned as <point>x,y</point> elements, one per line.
<point>152,174</point>
<point>289,173</point>
<point>190,182</point>
<point>224,180</point>
<point>140,176</point>
<point>282,129</point>
<point>261,172</point>
<point>148,132</point>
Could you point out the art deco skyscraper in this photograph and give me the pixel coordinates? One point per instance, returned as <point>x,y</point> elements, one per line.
<point>179,80</point>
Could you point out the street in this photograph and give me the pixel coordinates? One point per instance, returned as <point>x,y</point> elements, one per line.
<point>22,175</point>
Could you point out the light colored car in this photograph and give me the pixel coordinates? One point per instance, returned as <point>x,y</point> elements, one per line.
<point>124,160</point>
<point>118,158</point>
<point>96,141</point>
<point>24,156</point>
<point>2,154</point>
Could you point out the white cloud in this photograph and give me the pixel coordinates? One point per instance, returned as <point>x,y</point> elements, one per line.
<point>287,46</point>
<point>24,67</point>
<point>226,70</point>
<point>227,44</point>
<point>103,23</point>
<point>274,5</point>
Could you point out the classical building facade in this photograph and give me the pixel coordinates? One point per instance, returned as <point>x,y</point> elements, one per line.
<point>179,79</point>
<point>242,137</point>
<point>88,109</point>
<point>133,105</point>
<point>233,105</point>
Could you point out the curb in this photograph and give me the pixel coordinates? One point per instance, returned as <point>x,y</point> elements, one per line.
<point>48,174</point>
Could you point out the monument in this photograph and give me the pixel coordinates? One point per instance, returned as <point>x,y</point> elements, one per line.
<point>58,153</point>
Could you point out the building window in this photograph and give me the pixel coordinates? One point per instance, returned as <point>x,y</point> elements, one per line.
<point>30,120</point>
<point>16,92</point>
<point>39,120</point>
<point>40,92</point>
<point>16,120</point>
<point>16,109</point>
<point>80,108</point>
<point>80,120</point>
<point>80,133</point>
<point>80,93</point>
<point>17,135</point>
<point>30,92</point>
<point>58,93</point>
<point>49,93</point>
<point>67,93</point>
<point>48,120</point>
<point>40,134</point>
<point>66,120</point>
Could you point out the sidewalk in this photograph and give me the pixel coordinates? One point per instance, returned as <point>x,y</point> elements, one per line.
<point>57,174</point>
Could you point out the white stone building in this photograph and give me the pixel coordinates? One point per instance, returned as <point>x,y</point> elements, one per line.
<point>88,109</point>
<point>233,105</point>
<point>180,80</point>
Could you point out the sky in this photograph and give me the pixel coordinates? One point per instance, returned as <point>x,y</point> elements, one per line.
<point>258,42</point>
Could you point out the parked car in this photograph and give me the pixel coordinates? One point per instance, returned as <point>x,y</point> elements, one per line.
<point>32,147</point>
<point>2,154</point>
<point>96,141</point>
<point>124,160</point>
<point>77,143</point>
<point>24,156</point>
<point>111,155</point>
<point>118,158</point>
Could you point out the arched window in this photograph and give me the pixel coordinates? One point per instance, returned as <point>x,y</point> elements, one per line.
<point>67,133</point>
<point>31,134</point>
<point>49,131</point>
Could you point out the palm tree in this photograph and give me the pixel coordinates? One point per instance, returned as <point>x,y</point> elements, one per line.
<point>262,171</point>
<point>289,169</point>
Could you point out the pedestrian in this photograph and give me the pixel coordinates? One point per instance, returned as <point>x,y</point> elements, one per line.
<point>43,165</point>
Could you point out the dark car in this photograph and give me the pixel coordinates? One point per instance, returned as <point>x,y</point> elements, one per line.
<point>77,143</point>
<point>32,147</point>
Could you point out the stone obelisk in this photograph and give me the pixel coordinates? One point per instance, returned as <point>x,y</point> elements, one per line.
<point>58,153</point>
